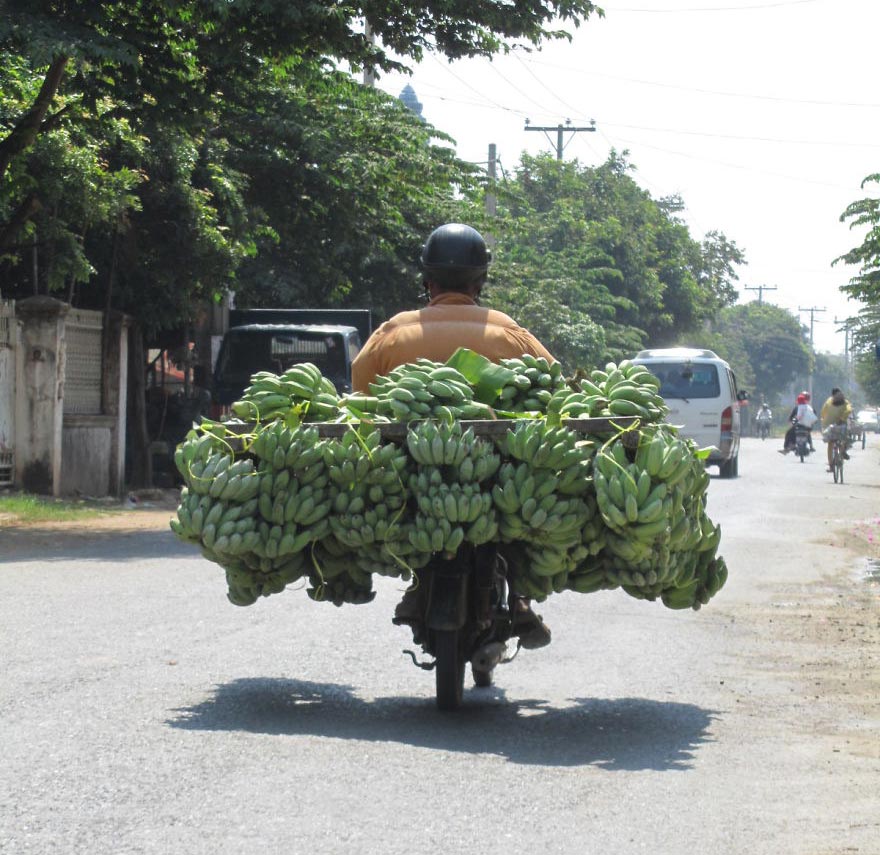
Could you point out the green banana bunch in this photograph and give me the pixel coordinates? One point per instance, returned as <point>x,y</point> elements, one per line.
<point>625,389</point>
<point>251,578</point>
<point>197,446</point>
<point>425,389</point>
<point>301,389</point>
<point>543,446</point>
<point>532,386</point>
<point>335,578</point>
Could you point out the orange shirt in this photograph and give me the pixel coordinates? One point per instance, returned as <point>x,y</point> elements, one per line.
<point>450,321</point>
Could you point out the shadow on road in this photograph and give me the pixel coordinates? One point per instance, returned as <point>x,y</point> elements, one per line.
<point>614,734</point>
<point>74,544</point>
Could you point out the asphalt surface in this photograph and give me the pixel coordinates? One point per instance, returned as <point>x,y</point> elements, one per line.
<point>142,713</point>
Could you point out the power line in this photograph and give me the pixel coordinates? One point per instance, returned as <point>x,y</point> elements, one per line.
<point>701,91</point>
<point>750,8</point>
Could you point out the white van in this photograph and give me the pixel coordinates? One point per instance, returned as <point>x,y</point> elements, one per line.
<point>700,390</point>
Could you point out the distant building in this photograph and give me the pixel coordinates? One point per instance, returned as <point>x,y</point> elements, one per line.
<point>410,99</point>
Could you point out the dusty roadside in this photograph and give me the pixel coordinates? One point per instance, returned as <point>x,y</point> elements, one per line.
<point>142,510</point>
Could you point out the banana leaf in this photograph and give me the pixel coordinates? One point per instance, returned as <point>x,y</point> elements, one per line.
<point>487,377</point>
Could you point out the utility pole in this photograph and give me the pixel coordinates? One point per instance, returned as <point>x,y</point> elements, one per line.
<point>812,310</point>
<point>369,75</point>
<point>560,130</point>
<point>845,323</point>
<point>491,199</point>
<point>761,289</point>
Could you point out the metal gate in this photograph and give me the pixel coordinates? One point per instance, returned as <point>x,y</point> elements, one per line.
<point>83,367</point>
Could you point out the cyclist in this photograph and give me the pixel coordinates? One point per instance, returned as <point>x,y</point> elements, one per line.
<point>455,261</point>
<point>835,411</point>
<point>763,418</point>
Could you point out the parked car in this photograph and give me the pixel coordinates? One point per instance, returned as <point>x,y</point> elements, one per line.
<point>700,390</point>
<point>869,419</point>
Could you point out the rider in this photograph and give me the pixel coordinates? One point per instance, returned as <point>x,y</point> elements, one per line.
<point>807,418</point>
<point>455,261</point>
<point>801,416</point>
<point>764,414</point>
<point>835,411</point>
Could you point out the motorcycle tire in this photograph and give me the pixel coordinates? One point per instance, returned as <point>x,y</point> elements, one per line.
<point>802,455</point>
<point>449,669</point>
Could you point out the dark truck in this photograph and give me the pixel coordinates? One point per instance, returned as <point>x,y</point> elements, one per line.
<point>274,339</point>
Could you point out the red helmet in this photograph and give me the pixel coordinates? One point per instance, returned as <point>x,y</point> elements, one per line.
<point>802,399</point>
<point>806,394</point>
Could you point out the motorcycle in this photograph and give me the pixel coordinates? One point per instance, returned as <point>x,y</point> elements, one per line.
<point>763,427</point>
<point>465,615</point>
<point>801,441</point>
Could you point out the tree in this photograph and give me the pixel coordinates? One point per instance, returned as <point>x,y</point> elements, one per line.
<point>169,68</point>
<point>595,266</point>
<point>865,285</point>
<point>766,346</point>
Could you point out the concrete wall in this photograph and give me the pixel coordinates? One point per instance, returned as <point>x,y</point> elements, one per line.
<point>60,452</point>
<point>39,395</point>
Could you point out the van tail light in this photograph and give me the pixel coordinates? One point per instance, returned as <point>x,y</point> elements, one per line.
<point>727,420</point>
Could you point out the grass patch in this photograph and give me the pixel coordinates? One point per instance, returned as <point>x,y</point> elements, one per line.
<point>27,508</point>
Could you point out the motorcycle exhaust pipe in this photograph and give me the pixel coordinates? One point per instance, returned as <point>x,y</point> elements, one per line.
<point>489,655</point>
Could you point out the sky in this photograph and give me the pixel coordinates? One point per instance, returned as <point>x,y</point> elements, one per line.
<point>762,115</point>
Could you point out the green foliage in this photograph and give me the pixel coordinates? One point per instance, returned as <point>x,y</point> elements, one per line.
<point>161,151</point>
<point>865,285</point>
<point>596,267</point>
<point>829,371</point>
<point>867,373</point>
<point>766,346</point>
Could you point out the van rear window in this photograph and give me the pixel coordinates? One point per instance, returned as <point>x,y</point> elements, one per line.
<point>686,380</point>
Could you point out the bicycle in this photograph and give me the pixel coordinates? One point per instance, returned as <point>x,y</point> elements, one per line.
<point>837,436</point>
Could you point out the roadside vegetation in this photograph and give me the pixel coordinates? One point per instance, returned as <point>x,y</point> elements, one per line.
<point>27,509</point>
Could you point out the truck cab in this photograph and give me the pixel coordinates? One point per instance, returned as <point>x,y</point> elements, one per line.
<point>250,348</point>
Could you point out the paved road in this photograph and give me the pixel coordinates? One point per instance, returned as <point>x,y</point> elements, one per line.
<point>141,713</point>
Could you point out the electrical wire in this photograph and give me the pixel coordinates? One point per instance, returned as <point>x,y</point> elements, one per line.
<point>750,8</point>
<point>714,92</point>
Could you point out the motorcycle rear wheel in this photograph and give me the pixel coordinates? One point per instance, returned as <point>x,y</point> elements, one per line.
<point>449,669</point>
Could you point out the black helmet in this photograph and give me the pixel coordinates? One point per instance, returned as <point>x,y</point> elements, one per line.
<point>456,247</point>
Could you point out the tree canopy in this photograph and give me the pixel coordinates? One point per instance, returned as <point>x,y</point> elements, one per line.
<point>596,267</point>
<point>158,152</point>
<point>767,347</point>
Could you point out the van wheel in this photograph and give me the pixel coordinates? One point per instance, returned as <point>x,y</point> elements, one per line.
<point>730,468</point>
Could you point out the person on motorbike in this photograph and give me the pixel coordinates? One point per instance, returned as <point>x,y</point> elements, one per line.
<point>797,413</point>
<point>835,411</point>
<point>801,417</point>
<point>455,261</point>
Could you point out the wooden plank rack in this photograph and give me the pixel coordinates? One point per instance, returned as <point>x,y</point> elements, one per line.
<point>396,431</point>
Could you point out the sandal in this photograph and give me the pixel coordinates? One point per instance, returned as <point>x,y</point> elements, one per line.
<point>532,631</point>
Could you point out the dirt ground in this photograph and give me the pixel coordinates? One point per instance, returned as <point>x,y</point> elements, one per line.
<point>143,510</point>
